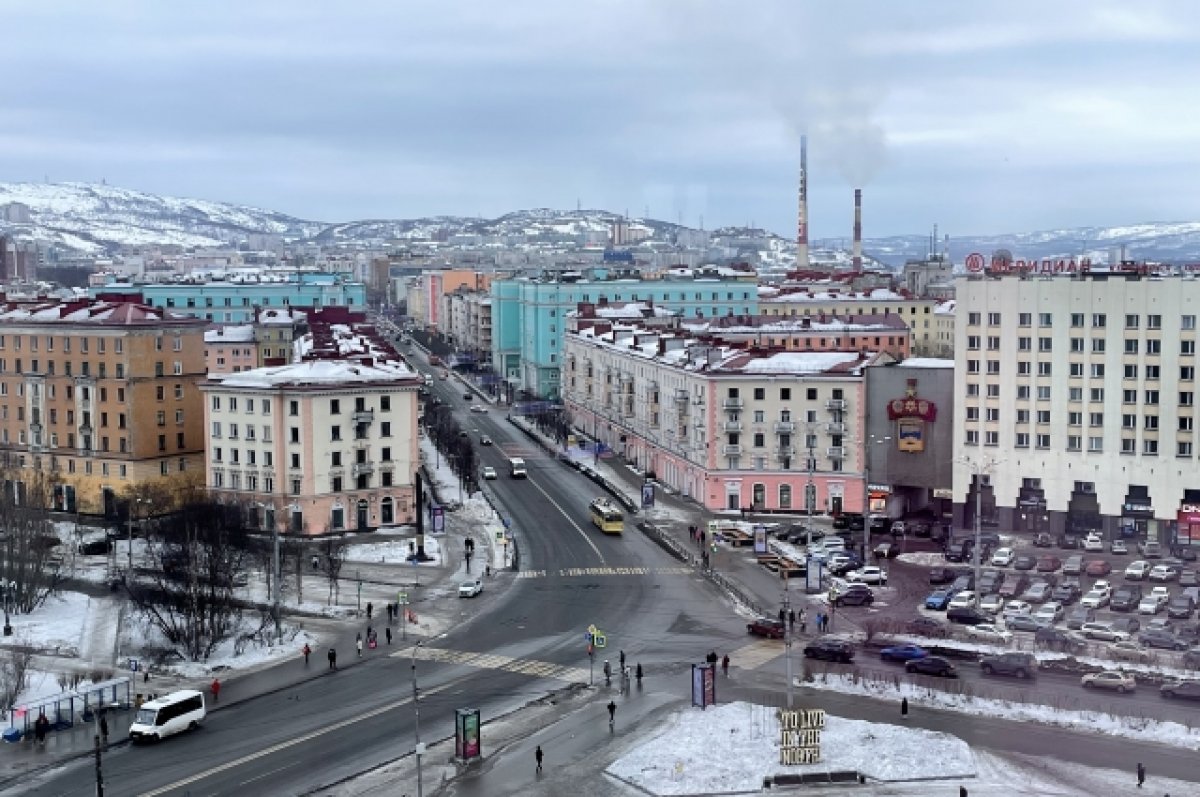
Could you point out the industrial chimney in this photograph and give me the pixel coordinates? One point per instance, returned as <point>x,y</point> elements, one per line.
<point>802,217</point>
<point>856,250</point>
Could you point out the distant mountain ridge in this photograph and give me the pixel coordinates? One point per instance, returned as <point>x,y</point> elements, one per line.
<point>98,218</point>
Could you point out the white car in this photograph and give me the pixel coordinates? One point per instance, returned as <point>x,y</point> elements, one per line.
<point>1163,573</point>
<point>469,589</point>
<point>1162,594</point>
<point>1150,604</point>
<point>1049,613</point>
<point>1129,650</point>
<point>1003,557</point>
<point>1096,598</point>
<point>1136,571</point>
<point>478,408</point>
<point>991,604</point>
<point>962,600</point>
<point>831,544</point>
<point>989,632</point>
<point>868,575</point>
<point>489,472</point>
<point>1093,542</point>
<point>1016,607</point>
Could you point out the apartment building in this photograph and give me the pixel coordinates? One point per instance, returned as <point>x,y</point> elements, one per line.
<point>729,427</point>
<point>886,333</point>
<point>230,349</point>
<point>100,396</point>
<point>276,330</point>
<point>1079,395</point>
<point>917,312</point>
<point>467,322</point>
<point>316,446</point>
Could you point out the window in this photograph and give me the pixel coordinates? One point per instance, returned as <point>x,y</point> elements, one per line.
<point>1187,373</point>
<point>1023,392</point>
<point>1097,370</point>
<point>1046,344</point>
<point>335,407</point>
<point>1043,393</point>
<point>1131,346</point>
<point>785,394</point>
<point>1185,423</point>
<point>1128,445</point>
<point>972,389</point>
<point>1044,369</point>
<point>973,342</point>
<point>1025,319</point>
<point>295,487</point>
<point>1096,419</point>
<point>1076,345</point>
<point>294,434</point>
<point>1076,370</point>
<point>1095,444</point>
<point>1131,322</point>
<point>993,343</point>
<point>1187,347</point>
<point>1097,345</point>
<point>335,484</point>
<point>1154,347</point>
<point>1153,371</point>
<point>993,319</point>
<point>1096,394</point>
<point>1128,421</point>
<point>1073,418</point>
<point>973,319</point>
<point>1045,319</point>
<point>178,390</point>
<point>1022,416</point>
<point>991,438</point>
<point>993,367</point>
<point>1150,422</point>
<point>385,428</point>
<point>216,429</point>
<point>1074,442</point>
<point>1187,322</point>
<point>993,413</point>
<point>972,413</point>
<point>1099,320</point>
<point>293,408</point>
<point>178,416</point>
<point>993,391</point>
<point>1043,441</point>
<point>1024,368</point>
<point>1024,344</point>
<point>216,403</point>
<point>1183,448</point>
<point>1151,396</point>
<point>1153,322</point>
<point>1129,397</point>
<point>1022,440</point>
<point>972,366</point>
<point>1075,394</point>
<point>1131,372</point>
<point>1077,320</point>
<point>1186,398</point>
<point>972,437</point>
<point>177,367</point>
<point>1150,447</point>
<point>335,433</point>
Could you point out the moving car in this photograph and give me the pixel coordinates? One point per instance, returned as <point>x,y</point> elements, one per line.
<point>1109,679</point>
<point>1015,665</point>
<point>489,472</point>
<point>1163,573</point>
<point>869,575</point>
<point>168,715</point>
<point>1118,548</point>
<point>1043,540</point>
<point>467,395</point>
<point>1151,550</point>
<point>988,632</point>
<point>903,653</point>
<point>484,440</point>
<point>767,627</point>
<point>931,665</point>
<point>939,600</point>
<point>962,600</point>
<point>1181,690</point>
<point>1003,557</point>
<point>478,408</point>
<point>469,589</point>
<point>966,616</point>
<point>1128,650</point>
<point>1161,639</point>
<point>829,649</point>
<point>854,595</point>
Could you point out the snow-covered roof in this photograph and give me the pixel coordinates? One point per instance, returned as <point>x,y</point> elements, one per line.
<point>87,311</point>
<point>927,362</point>
<point>946,307</point>
<point>629,310</point>
<point>797,362</point>
<point>873,295</point>
<point>791,325</point>
<point>314,373</point>
<point>233,333</point>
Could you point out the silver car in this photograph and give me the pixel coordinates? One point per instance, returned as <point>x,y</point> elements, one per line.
<point>1109,679</point>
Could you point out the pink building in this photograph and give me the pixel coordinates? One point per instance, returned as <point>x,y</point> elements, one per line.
<point>230,349</point>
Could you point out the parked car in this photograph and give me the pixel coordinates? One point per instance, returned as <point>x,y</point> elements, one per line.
<point>1024,622</point>
<point>1180,607</point>
<point>991,603</point>
<point>1137,571</point>
<point>1189,577</point>
<point>1066,593</point>
<point>1015,665</point>
<point>1126,598</point>
<point>903,653</point>
<point>1109,679</point>
<point>939,600</point>
<point>1093,542</point>
<point>1128,625</point>
<point>926,626</point>
<point>1058,639</point>
<point>1048,564</point>
<point>1096,598</point>
<point>1068,541</point>
<point>829,649</point>
<point>1049,613</point>
<point>964,581</point>
<point>899,528</point>
<point>1079,616</point>
<point>1073,566</point>
<point>886,550</point>
<point>962,600</point>
<point>854,595</point>
<point>1163,573</point>
<point>1191,659</point>
<point>1003,557</point>
<point>469,589</point>
<point>1185,553</point>
<point>1181,690</point>
<point>1015,607</point>
<point>1102,631</point>
<point>1098,567</point>
<point>1037,592</point>
<point>1149,605</point>
<point>1151,550</point>
<point>1043,540</point>
<point>942,575</point>
<point>989,581</point>
<point>1024,562</point>
<point>989,632</point>
<point>1161,639</point>
<point>96,546</point>
<point>1118,548</point>
<point>1128,650</point>
<point>931,665</point>
<point>868,575</point>
<point>1014,584</point>
<point>966,616</point>
<point>767,627</point>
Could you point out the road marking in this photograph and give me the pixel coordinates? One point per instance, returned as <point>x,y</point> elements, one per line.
<point>584,572</point>
<point>574,525</point>
<point>756,654</point>
<point>237,762</point>
<point>488,661</point>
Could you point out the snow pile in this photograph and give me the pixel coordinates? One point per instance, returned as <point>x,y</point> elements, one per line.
<point>394,551</point>
<point>680,759</point>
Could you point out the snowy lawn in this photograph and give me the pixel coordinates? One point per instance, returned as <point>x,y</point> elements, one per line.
<point>680,759</point>
<point>56,627</point>
<point>394,551</point>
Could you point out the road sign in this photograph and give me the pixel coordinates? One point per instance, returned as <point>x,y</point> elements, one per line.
<point>134,665</point>
<point>402,598</point>
<point>601,640</point>
<point>507,523</point>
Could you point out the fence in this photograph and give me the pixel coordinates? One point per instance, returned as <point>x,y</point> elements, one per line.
<point>681,552</point>
<point>62,710</point>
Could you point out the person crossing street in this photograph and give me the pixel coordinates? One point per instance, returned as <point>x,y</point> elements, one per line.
<point>612,714</point>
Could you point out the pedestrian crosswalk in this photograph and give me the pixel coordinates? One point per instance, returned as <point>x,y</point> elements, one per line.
<point>491,661</point>
<point>756,654</point>
<point>578,572</point>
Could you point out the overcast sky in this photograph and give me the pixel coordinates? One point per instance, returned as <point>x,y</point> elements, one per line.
<point>982,117</point>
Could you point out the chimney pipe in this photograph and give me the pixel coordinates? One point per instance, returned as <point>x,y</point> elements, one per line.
<point>856,251</point>
<point>802,217</point>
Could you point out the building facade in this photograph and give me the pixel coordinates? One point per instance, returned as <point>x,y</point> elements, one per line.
<point>886,333</point>
<point>315,447</point>
<point>101,398</point>
<point>730,428</point>
<point>1078,401</point>
<point>916,312</point>
<point>529,315</point>
<point>230,349</point>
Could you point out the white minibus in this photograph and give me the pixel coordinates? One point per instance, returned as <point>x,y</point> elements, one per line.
<point>167,715</point>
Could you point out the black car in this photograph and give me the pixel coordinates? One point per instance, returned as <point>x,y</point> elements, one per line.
<point>967,616</point>
<point>1129,625</point>
<point>1182,690</point>
<point>926,626</point>
<point>97,546</point>
<point>855,597</point>
<point>1065,593</point>
<point>1068,542</point>
<point>1126,598</point>
<point>1043,540</point>
<point>1163,640</point>
<point>1184,553</point>
<point>1058,639</point>
<point>931,665</point>
<point>1024,562</point>
<point>942,575</point>
<point>1017,665</point>
<point>768,627</point>
<point>829,649</point>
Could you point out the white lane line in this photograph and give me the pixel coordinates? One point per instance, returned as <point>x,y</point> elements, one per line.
<point>567,518</point>
<point>237,762</point>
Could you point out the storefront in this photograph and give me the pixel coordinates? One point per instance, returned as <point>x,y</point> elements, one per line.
<point>1187,522</point>
<point>1137,515</point>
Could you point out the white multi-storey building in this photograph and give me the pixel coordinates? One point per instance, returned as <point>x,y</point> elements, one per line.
<point>1077,403</point>
<point>315,446</point>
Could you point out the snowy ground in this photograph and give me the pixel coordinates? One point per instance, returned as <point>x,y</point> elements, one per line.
<point>679,759</point>
<point>395,551</point>
<point>1139,728</point>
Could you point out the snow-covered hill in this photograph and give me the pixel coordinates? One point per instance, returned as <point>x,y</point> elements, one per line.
<point>97,218</point>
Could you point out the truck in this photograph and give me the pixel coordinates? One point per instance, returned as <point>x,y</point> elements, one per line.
<point>516,468</point>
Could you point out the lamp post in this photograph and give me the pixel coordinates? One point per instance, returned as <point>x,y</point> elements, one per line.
<point>10,588</point>
<point>978,468</point>
<point>872,440</point>
<point>418,748</point>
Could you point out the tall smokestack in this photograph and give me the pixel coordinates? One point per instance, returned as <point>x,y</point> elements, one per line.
<point>802,217</point>
<point>856,251</point>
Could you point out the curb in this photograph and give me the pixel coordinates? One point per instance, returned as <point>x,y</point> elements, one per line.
<point>625,501</point>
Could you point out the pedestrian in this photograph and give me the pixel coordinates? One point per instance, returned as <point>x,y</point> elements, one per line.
<point>1141,773</point>
<point>307,651</point>
<point>782,616</point>
<point>391,612</point>
<point>612,714</point>
<point>803,622</point>
<point>712,657</point>
<point>216,690</point>
<point>370,608</point>
<point>622,661</point>
<point>537,754</point>
<point>639,673</point>
<point>332,659</point>
<point>146,676</point>
<point>725,665</point>
<point>962,791</point>
<point>904,708</point>
<point>792,619</point>
<point>104,727</point>
<point>388,634</point>
<point>43,725</point>
<point>358,644</point>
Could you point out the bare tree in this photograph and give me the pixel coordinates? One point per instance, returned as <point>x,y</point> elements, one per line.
<point>30,563</point>
<point>14,672</point>
<point>199,557</point>
<point>333,551</point>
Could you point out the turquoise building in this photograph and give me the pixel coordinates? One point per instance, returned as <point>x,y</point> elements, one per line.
<point>529,314</point>
<point>233,302</point>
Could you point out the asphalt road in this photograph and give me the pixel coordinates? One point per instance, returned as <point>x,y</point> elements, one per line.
<point>361,716</point>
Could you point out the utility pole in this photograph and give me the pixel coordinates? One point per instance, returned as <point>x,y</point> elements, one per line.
<point>99,772</point>
<point>787,632</point>
<point>419,748</point>
<point>275,574</point>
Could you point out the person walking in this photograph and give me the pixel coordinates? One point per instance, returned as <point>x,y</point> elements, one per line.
<point>782,615</point>
<point>104,727</point>
<point>1141,773</point>
<point>216,690</point>
<point>803,622</point>
<point>792,620</point>
<point>622,661</point>
<point>612,715</point>
<point>537,754</point>
<point>607,673</point>
<point>904,708</point>
<point>639,673</point>
<point>387,632</point>
<point>307,650</point>
<point>332,659</point>
<point>358,644</point>
<point>725,665</point>
<point>370,609</point>
<point>42,726</point>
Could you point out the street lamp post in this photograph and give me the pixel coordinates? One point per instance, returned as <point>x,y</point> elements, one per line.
<point>978,468</point>
<point>872,440</point>
<point>418,749</point>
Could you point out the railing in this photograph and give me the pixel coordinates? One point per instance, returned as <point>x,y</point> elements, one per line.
<point>732,403</point>
<point>835,428</point>
<point>835,452</point>
<point>784,427</point>
<point>364,416</point>
<point>733,426</point>
<point>835,404</point>
<point>732,450</point>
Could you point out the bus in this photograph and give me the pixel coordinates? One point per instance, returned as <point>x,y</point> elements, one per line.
<point>607,516</point>
<point>167,715</point>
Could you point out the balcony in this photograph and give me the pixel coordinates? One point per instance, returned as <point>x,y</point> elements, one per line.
<point>364,416</point>
<point>785,453</point>
<point>732,404</point>
<point>835,428</point>
<point>784,427</point>
<point>732,450</point>
<point>362,469</point>
<point>681,397</point>
<point>835,452</point>
<point>837,405</point>
<point>732,426</point>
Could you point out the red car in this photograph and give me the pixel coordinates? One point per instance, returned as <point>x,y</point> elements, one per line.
<point>772,629</point>
<point>1048,564</point>
<point>1098,567</point>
